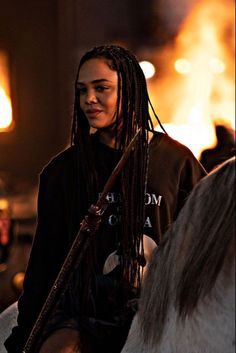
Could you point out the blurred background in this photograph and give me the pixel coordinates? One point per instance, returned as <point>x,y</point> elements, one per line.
<point>186,49</point>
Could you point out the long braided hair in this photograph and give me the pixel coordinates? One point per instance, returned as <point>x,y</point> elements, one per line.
<point>132,107</point>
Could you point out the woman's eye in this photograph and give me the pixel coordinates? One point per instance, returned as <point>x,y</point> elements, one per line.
<point>101,88</point>
<point>82,90</point>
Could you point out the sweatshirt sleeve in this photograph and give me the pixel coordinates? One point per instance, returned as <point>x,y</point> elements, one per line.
<point>47,255</point>
<point>191,173</point>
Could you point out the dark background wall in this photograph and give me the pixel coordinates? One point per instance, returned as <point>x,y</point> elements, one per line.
<point>29,34</point>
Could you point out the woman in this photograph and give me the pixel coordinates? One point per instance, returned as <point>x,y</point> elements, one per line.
<point>96,309</point>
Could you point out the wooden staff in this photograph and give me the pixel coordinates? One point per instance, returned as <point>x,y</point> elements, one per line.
<point>88,228</point>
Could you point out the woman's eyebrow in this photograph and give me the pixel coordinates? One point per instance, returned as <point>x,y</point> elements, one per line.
<point>94,81</point>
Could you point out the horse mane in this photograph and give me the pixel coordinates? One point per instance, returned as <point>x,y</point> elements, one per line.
<point>193,252</point>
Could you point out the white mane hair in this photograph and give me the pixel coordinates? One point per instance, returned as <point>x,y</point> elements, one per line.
<point>187,303</point>
<point>8,319</point>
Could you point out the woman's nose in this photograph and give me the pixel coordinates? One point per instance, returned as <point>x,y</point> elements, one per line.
<point>91,97</point>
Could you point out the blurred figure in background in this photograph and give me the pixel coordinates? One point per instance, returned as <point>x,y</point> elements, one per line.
<point>15,247</point>
<point>12,271</point>
<point>224,149</point>
<point>6,225</point>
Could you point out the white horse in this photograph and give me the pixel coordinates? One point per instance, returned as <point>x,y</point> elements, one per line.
<point>187,303</point>
<point>8,319</point>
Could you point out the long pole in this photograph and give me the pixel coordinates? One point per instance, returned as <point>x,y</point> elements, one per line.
<point>88,228</point>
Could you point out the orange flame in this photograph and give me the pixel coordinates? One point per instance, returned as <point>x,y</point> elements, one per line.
<point>5,100</point>
<point>5,110</point>
<point>196,86</point>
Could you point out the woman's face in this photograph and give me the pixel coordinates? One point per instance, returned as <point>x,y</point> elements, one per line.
<point>98,87</point>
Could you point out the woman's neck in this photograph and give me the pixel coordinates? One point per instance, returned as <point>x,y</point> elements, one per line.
<point>109,137</point>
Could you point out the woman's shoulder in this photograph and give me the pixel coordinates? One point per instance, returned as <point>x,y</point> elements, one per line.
<point>166,143</point>
<point>169,155</point>
<point>64,160</point>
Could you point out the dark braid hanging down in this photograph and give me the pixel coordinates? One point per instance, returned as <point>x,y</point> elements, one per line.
<point>132,106</point>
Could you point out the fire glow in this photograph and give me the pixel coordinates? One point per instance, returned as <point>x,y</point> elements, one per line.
<point>5,100</point>
<point>5,110</point>
<point>196,89</point>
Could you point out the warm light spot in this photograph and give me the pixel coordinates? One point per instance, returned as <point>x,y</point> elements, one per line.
<point>4,204</point>
<point>5,110</point>
<point>217,66</point>
<point>183,66</point>
<point>18,280</point>
<point>6,118</point>
<point>148,69</point>
<point>3,267</point>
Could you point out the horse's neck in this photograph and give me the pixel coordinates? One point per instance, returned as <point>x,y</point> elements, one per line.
<point>211,327</point>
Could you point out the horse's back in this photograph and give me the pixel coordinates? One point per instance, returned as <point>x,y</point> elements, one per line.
<point>8,319</point>
<point>211,329</point>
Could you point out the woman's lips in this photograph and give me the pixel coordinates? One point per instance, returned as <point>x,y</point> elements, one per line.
<point>93,113</point>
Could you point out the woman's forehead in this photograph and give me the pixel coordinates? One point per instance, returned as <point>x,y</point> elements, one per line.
<point>96,69</point>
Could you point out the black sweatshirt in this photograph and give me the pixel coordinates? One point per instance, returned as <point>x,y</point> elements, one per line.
<point>173,171</point>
